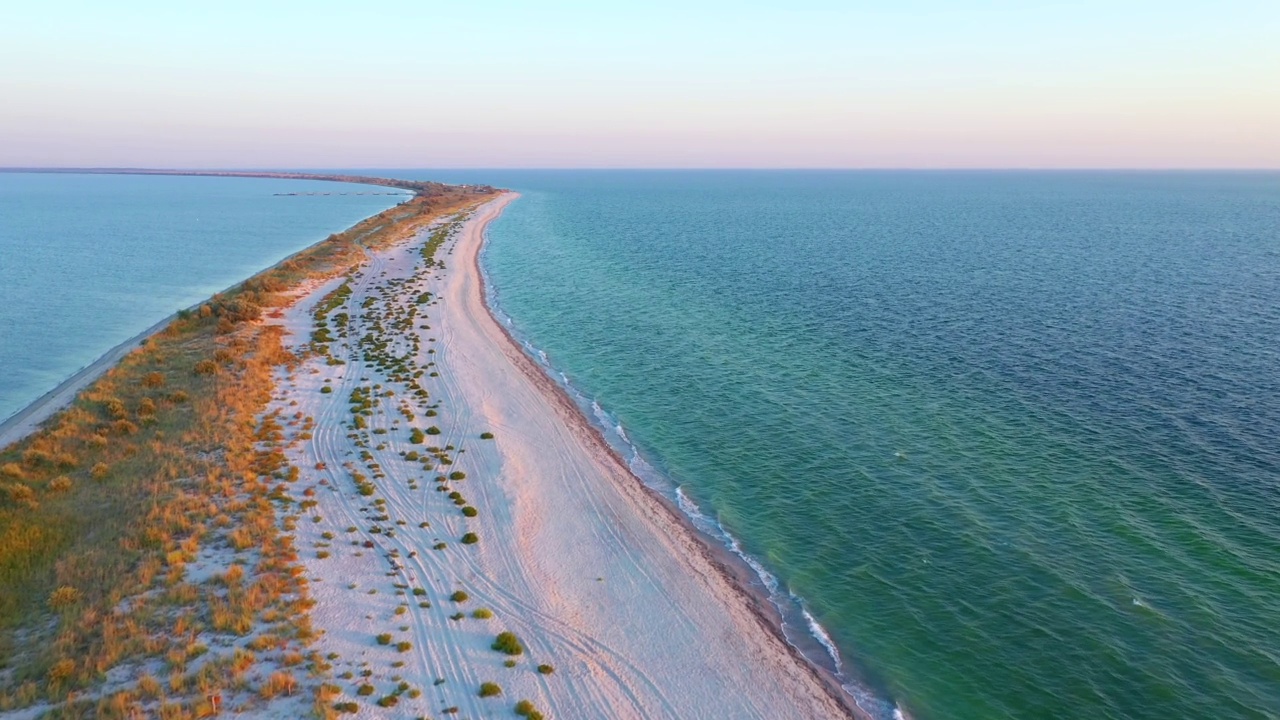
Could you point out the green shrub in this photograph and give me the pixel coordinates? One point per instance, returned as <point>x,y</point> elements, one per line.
<point>508,643</point>
<point>416,437</point>
<point>490,689</point>
<point>326,389</point>
<point>469,511</point>
<point>433,430</point>
<point>346,707</point>
<point>470,539</point>
<point>384,639</point>
<point>486,436</point>
<point>387,701</point>
<point>404,646</point>
<point>459,596</point>
<point>457,475</point>
<point>546,669</point>
<point>364,690</point>
<point>482,614</point>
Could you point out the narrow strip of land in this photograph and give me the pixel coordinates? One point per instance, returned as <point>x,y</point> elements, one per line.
<point>419,186</point>
<point>457,494</point>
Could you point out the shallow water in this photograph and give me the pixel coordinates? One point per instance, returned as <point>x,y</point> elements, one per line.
<point>89,261</point>
<point>1010,436</point>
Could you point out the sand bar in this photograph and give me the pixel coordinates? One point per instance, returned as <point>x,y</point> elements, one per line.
<point>594,574</point>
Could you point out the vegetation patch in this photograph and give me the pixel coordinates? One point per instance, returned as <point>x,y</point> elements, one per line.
<point>508,643</point>
<point>167,457</point>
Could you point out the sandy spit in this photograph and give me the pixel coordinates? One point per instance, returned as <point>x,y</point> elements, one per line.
<point>597,576</point>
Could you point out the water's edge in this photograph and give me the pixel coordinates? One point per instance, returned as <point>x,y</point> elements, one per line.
<point>29,418</point>
<point>782,610</point>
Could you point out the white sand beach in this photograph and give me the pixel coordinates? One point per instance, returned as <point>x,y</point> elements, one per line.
<point>595,576</point>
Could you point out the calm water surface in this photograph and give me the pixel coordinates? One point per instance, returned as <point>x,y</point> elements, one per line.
<point>1011,438</point>
<point>89,261</point>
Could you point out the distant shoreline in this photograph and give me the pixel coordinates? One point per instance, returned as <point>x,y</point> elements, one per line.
<point>28,419</point>
<point>412,185</point>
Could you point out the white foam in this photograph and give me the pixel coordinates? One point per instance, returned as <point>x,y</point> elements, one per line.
<point>786,603</point>
<point>820,633</point>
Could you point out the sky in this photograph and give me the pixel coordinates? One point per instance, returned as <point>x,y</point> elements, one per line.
<point>661,83</point>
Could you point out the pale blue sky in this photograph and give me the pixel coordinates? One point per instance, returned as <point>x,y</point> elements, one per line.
<point>659,84</point>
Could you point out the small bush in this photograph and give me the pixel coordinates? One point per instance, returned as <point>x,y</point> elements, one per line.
<point>459,596</point>
<point>384,639</point>
<point>404,646</point>
<point>457,475</point>
<point>365,690</point>
<point>419,591</point>
<point>482,614</point>
<point>470,539</point>
<point>326,389</point>
<point>490,689</point>
<point>546,669</point>
<point>508,643</point>
<point>346,707</point>
<point>416,437</point>
<point>64,597</point>
<point>433,430</point>
<point>486,436</point>
<point>469,511</point>
<point>100,471</point>
<point>387,701</point>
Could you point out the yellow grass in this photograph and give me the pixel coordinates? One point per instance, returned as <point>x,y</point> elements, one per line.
<point>164,456</point>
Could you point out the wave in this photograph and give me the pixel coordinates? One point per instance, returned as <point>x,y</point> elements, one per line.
<point>800,628</point>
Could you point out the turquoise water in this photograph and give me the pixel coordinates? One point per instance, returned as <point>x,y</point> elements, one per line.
<point>1011,438</point>
<point>89,261</point>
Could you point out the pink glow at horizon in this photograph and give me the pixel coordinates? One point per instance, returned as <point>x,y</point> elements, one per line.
<point>823,84</point>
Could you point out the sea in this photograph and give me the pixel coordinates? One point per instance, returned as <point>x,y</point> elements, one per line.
<point>89,261</point>
<point>1000,444</point>
<point>996,444</point>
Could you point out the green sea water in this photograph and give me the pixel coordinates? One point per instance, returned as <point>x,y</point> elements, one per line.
<point>1007,441</point>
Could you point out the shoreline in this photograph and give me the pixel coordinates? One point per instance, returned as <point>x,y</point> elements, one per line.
<point>559,542</point>
<point>734,569</point>
<point>28,419</point>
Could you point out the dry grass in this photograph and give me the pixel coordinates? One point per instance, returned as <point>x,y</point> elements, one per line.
<point>166,455</point>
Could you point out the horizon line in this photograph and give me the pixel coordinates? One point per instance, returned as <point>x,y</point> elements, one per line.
<point>876,168</point>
